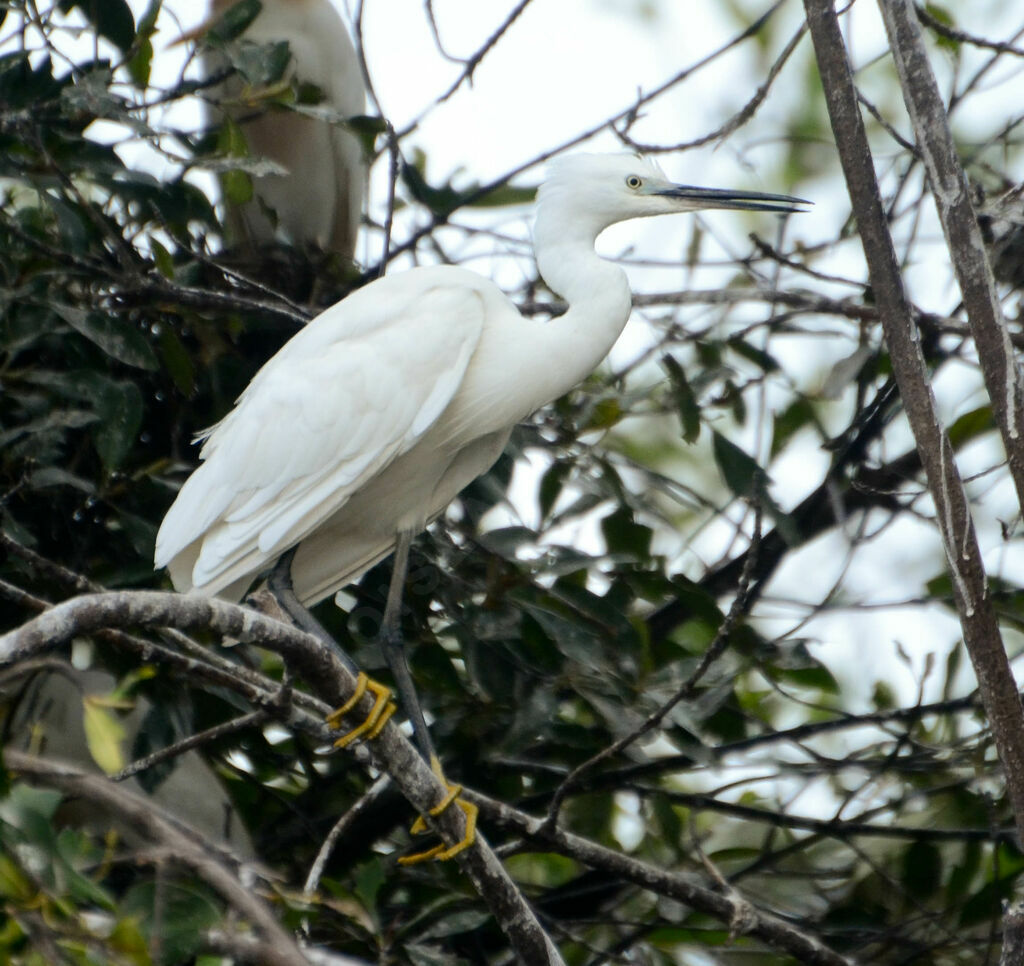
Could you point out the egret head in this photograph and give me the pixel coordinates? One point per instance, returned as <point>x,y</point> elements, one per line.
<point>598,190</point>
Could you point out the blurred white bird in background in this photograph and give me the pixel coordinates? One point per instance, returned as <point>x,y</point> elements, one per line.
<point>319,199</point>
<point>49,716</point>
<point>366,425</point>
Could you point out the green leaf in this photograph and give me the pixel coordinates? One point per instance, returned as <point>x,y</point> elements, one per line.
<point>456,923</point>
<point>233,23</point>
<point>369,878</point>
<point>964,872</point>
<point>160,728</point>
<point>698,603</point>
<point>506,541</point>
<point>741,472</point>
<point>112,18</point>
<point>441,201</point>
<point>572,638</point>
<point>14,884</point>
<point>883,697</point>
<point>56,420</point>
<point>21,85</point>
<point>127,939</point>
<point>605,413</point>
<point>971,425</point>
<point>748,480</point>
<point>58,476</point>
<point>262,65</point>
<point>140,64</point>
<point>178,913</point>
<point>177,361</point>
<point>551,485</point>
<point>115,336</point>
<point>684,397</point>
<point>785,425</point>
<point>74,851</point>
<point>366,128</point>
<point>162,259</point>
<point>231,139</point>
<point>119,406</point>
<point>104,734</point>
<point>235,182</point>
<point>624,535</point>
<point>944,17</point>
<point>922,869</point>
<point>142,60</point>
<point>818,677</point>
<point>503,195</point>
<point>763,360</point>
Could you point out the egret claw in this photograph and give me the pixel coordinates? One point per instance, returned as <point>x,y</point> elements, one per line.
<point>383,709</point>
<point>441,853</point>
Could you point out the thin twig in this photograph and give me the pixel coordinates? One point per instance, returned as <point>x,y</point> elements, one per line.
<point>196,740</point>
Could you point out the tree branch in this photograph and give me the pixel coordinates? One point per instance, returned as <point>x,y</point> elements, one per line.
<point>960,225</point>
<point>748,920</point>
<point>330,681</point>
<point>977,615</point>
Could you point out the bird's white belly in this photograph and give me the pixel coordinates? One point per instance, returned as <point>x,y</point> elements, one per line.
<point>406,496</point>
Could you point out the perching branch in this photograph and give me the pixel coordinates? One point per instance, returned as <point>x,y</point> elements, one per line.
<point>331,682</point>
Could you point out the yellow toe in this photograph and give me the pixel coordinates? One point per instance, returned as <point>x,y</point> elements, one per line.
<point>442,853</point>
<point>373,724</point>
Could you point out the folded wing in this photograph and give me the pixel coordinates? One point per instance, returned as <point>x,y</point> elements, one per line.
<point>359,386</point>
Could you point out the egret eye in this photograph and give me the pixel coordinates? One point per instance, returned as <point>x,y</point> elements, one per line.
<point>633,181</point>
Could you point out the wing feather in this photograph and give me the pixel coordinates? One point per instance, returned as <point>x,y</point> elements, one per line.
<point>347,395</point>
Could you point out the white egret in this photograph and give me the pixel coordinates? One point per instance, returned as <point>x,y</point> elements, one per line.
<point>320,198</point>
<point>366,425</point>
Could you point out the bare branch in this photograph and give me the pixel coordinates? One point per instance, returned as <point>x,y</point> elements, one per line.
<point>963,234</point>
<point>977,615</point>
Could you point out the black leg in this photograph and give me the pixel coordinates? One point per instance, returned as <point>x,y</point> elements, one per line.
<point>280,584</point>
<point>394,649</point>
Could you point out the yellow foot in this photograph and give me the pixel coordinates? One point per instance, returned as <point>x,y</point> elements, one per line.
<point>383,709</point>
<point>442,853</point>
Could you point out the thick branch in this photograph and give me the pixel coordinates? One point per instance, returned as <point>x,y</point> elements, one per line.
<point>330,681</point>
<point>1013,935</point>
<point>977,614</point>
<point>960,226</point>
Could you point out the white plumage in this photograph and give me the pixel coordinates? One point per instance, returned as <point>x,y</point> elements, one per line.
<point>320,199</point>
<point>376,414</point>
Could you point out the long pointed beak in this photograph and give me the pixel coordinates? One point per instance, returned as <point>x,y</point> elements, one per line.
<point>698,198</point>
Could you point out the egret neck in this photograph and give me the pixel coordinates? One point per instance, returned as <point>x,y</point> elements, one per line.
<point>596,290</point>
